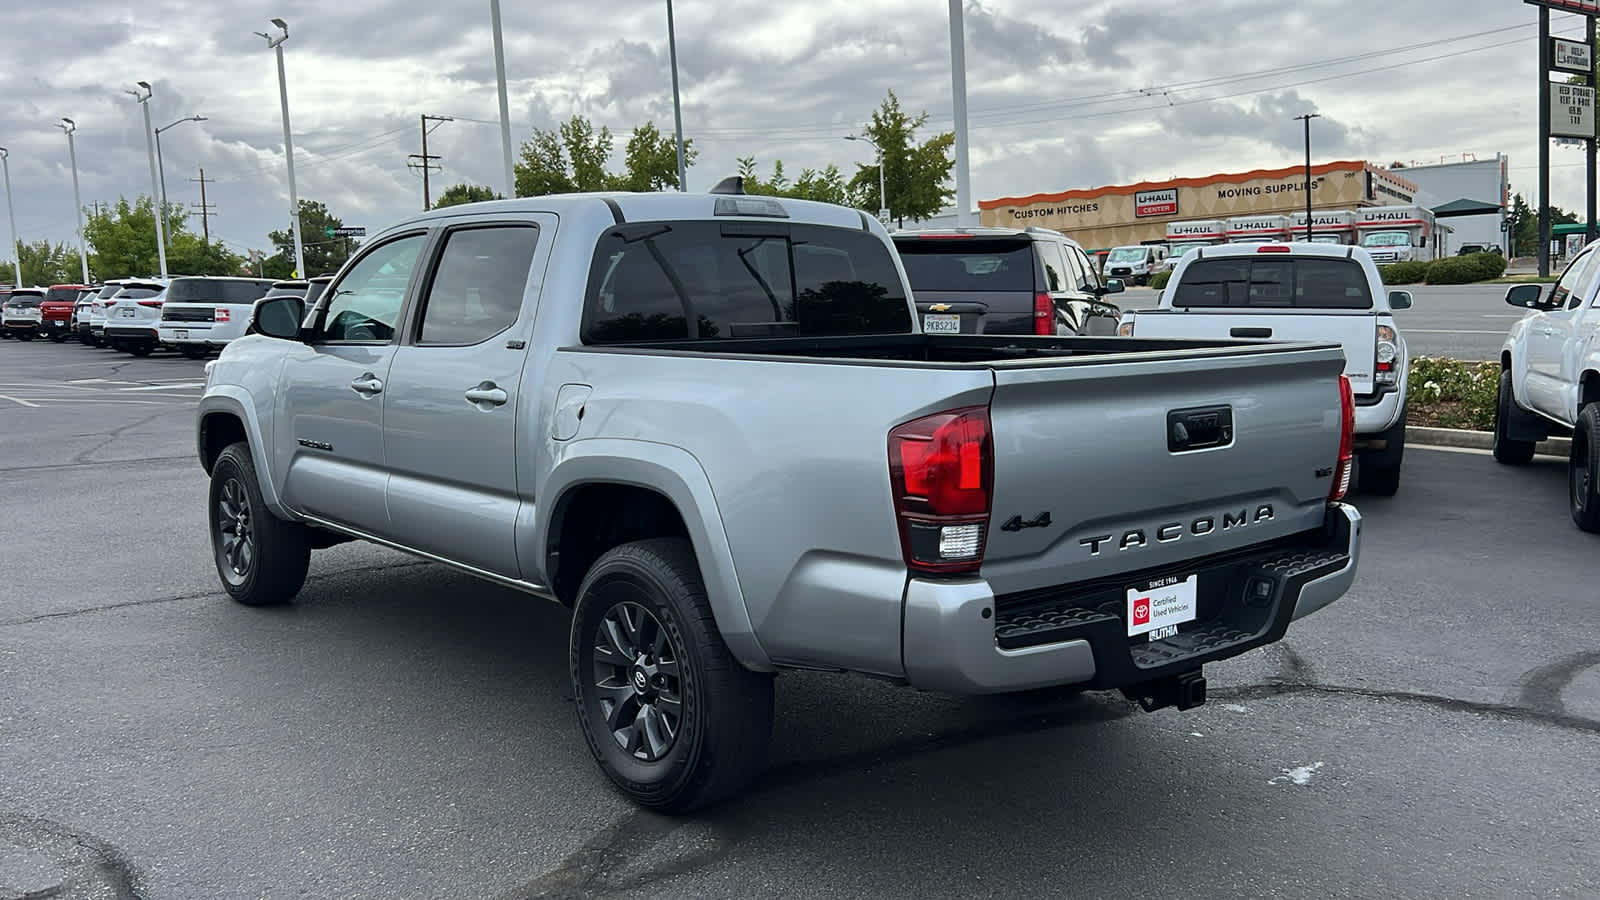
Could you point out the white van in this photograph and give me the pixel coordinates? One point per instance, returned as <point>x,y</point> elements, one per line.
<point>1135,263</point>
<point>203,313</point>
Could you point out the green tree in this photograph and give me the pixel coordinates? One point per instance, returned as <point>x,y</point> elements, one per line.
<point>323,252</point>
<point>457,194</point>
<point>1525,225</point>
<point>917,176</point>
<point>123,236</point>
<point>44,264</point>
<point>190,254</point>
<point>573,158</point>
<point>826,186</point>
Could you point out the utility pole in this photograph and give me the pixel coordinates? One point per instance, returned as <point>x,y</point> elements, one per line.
<point>424,160</point>
<point>205,209</point>
<point>1544,141</point>
<point>1307,119</point>
<point>1589,150</point>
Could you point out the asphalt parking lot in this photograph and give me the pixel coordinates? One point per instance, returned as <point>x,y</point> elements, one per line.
<point>1467,321</point>
<point>406,731</point>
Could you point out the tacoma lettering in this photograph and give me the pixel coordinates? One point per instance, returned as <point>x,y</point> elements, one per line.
<point>1135,538</point>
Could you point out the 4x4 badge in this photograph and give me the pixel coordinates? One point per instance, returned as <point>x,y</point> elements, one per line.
<point>1015,523</point>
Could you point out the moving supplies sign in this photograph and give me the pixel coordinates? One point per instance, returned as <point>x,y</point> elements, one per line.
<point>1163,202</point>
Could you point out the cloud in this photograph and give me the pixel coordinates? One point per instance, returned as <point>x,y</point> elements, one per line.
<point>1109,91</point>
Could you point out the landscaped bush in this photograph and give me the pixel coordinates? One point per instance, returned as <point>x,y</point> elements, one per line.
<point>1449,393</point>
<point>1452,270</point>
<point>1403,272</point>
<point>1489,265</point>
<point>1159,280</point>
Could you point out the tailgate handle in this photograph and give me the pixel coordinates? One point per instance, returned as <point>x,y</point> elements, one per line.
<point>1199,428</point>
<point>1250,332</point>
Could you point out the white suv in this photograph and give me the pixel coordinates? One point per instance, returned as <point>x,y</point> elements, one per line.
<point>203,313</point>
<point>133,315</point>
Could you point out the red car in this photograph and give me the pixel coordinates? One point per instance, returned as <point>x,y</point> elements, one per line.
<point>56,319</point>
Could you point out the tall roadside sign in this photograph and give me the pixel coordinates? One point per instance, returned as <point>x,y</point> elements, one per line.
<point>1566,111</point>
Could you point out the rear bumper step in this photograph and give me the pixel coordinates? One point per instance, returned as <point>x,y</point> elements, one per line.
<point>964,640</point>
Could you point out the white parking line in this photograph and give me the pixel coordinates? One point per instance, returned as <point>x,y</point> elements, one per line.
<point>166,387</point>
<point>1447,331</point>
<point>1501,316</point>
<point>19,400</point>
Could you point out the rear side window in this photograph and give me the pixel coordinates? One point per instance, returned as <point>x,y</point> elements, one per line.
<point>1273,282</point>
<point>961,264</point>
<point>476,292</point>
<point>738,279</point>
<point>54,295</point>
<point>138,293</point>
<point>109,291</point>
<point>24,301</point>
<point>217,291</point>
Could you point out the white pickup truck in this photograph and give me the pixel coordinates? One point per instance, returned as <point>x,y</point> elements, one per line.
<point>1298,292</point>
<point>1550,379</point>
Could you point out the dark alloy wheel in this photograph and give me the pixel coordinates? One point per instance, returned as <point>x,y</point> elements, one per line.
<point>261,559</point>
<point>1507,451</point>
<point>671,717</point>
<point>639,681</point>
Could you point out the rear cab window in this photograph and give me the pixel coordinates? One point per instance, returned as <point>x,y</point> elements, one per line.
<point>1278,282</point>
<point>701,280</point>
<point>967,264</point>
<point>228,293</point>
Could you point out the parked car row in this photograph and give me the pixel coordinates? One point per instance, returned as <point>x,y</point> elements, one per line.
<point>192,315</point>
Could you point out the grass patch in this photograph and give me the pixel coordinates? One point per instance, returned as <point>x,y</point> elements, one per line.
<point>1449,393</point>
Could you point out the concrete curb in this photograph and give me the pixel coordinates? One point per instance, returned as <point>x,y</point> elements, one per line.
<point>1478,440</point>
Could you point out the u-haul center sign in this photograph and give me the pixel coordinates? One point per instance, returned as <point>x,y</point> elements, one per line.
<point>1155,203</point>
<point>1571,111</point>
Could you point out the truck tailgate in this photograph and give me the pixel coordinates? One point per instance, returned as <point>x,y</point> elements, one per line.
<point>1093,476</point>
<point>1355,332</point>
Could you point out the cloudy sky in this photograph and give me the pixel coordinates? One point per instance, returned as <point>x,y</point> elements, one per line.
<point>1061,95</point>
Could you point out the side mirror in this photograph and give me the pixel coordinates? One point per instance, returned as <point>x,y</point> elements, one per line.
<point>278,317</point>
<point>1399,299</point>
<point>1112,286</point>
<point>1526,296</point>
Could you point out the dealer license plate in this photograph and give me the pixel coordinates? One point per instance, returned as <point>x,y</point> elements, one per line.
<point>1157,606</point>
<point>934,323</point>
<point>126,312</point>
<point>181,334</point>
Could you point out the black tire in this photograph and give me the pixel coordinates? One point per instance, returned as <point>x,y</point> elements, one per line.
<point>1583,470</point>
<point>718,741</point>
<point>24,335</point>
<point>1378,473</point>
<point>272,568</point>
<point>58,337</point>
<point>1507,451</point>
<point>190,351</point>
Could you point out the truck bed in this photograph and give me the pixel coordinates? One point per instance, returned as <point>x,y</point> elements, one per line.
<point>956,350</point>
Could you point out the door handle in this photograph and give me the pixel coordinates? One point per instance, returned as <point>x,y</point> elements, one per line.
<point>486,393</point>
<point>367,384</point>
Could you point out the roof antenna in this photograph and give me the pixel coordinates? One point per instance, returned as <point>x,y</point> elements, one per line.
<point>733,184</point>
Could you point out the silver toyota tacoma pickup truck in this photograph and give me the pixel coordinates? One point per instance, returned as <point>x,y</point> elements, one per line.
<point>711,426</point>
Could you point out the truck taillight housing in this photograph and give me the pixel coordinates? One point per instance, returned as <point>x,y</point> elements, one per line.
<point>941,468</point>
<point>1347,441</point>
<point>1044,314</point>
<point>1386,356</point>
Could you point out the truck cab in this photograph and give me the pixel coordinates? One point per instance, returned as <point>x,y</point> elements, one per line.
<point>1334,226</point>
<point>1183,237</point>
<point>1259,229</point>
<point>1398,234</point>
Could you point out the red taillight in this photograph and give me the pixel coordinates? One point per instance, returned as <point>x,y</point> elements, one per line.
<point>1347,441</point>
<point>1044,314</point>
<point>153,303</point>
<point>221,315</point>
<point>941,468</point>
<point>1272,248</point>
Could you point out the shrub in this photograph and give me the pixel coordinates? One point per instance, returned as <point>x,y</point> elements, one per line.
<point>1403,272</point>
<point>1488,265</point>
<point>1159,280</point>
<point>1450,393</point>
<point>1452,270</point>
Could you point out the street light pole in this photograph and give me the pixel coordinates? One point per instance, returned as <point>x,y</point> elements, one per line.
<point>1307,119</point>
<point>161,167</point>
<point>69,127</point>
<point>143,96</point>
<point>883,204</point>
<point>16,258</point>
<point>958,102</point>
<point>505,114</point>
<point>276,43</point>
<point>677,109</point>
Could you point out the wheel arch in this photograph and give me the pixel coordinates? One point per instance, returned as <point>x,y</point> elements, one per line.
<point>224,419</point>
<point>642,489</point>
